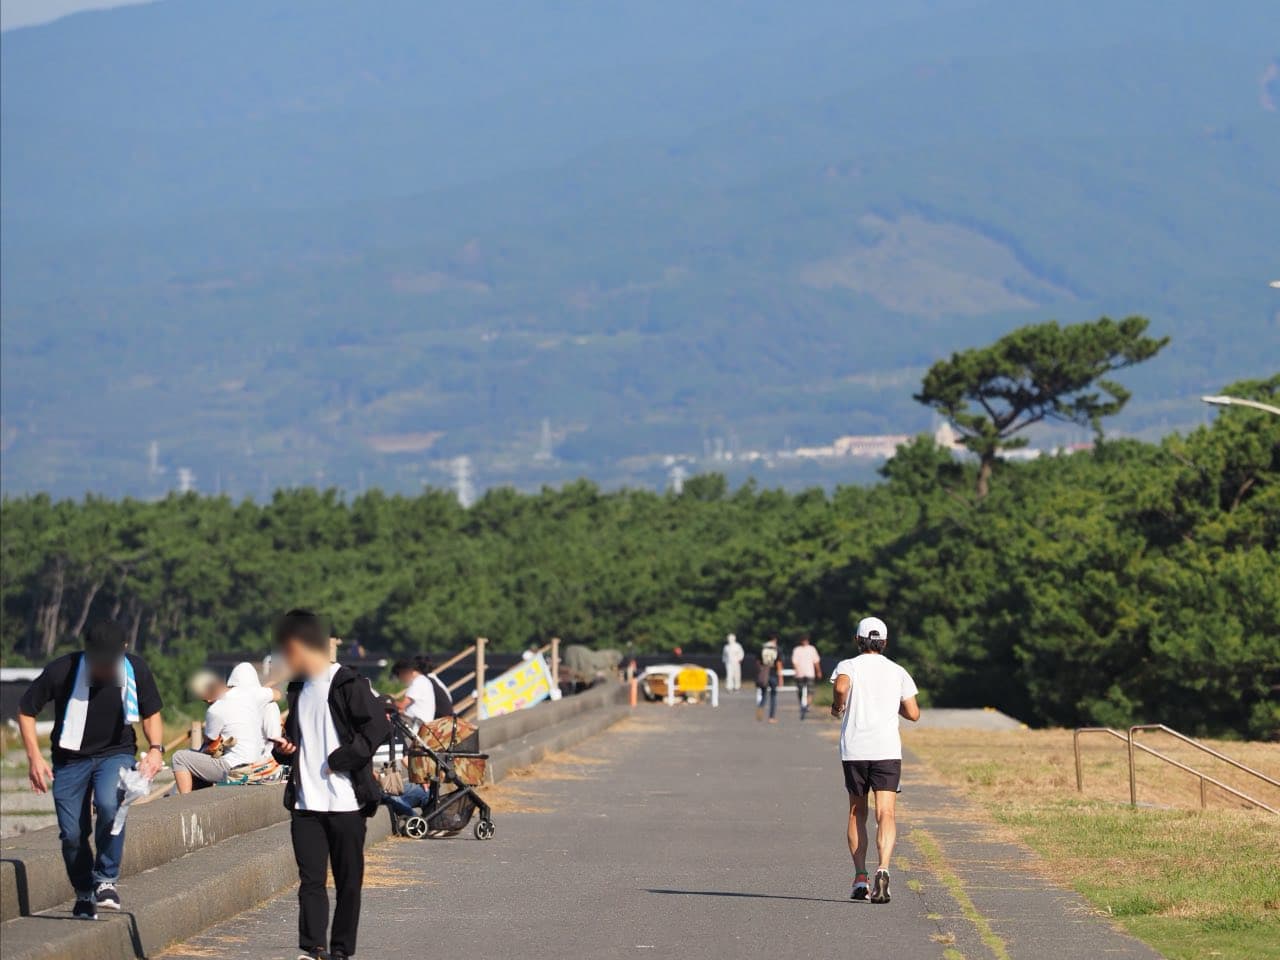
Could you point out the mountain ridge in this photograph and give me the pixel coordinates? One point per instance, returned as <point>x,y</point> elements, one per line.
<point>639,279</point>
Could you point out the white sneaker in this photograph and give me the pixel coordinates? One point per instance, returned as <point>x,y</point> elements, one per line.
<point>107,896</point>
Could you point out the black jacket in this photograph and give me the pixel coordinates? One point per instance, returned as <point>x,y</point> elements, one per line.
<point>362,727</point>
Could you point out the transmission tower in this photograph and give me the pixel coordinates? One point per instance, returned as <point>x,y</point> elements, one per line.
<point>544,442</point>
<point>677,477</point>
<point>462,485</point>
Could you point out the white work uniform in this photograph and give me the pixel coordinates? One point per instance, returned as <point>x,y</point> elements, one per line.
<point>733,656</point>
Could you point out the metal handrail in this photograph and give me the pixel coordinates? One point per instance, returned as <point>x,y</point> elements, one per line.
<point>1203,748</point>
<point>1204,778</point>
<point>1075,743</point>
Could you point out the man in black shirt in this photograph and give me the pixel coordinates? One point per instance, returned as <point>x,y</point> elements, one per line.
<point>97,696</point>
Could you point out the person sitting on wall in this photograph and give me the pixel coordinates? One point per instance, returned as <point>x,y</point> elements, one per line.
<point>234,728</point>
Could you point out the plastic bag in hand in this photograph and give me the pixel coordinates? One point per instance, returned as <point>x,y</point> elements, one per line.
<point>135,787</point>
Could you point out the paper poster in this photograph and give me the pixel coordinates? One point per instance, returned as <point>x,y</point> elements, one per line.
<point>525,684</point>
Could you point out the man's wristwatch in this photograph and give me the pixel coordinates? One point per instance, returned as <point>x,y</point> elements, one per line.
<point>155,746</point>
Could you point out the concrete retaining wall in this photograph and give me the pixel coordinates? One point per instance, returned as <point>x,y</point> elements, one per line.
<point>220,852</point>
<point>32,877</point>
<point>501,730</point>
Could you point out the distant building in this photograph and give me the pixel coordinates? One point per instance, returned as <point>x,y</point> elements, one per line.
<point>876,446</point>
<point>946,437</point>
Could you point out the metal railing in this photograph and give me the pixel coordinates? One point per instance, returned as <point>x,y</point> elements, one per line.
<point>1133,746</point>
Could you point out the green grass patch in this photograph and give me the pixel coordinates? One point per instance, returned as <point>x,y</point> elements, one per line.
<point>938,865</point>
<point>1191,884</point>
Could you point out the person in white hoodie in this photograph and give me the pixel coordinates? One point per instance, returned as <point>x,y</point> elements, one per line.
<point>733,655</point>
<point>238,715</point>
<point>245,677</point>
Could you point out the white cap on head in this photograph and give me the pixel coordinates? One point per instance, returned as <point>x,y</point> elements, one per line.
<point>872,628</point>
<point>731,637</point>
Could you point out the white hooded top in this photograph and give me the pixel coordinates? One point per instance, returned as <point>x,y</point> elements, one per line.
<point>243,712</point>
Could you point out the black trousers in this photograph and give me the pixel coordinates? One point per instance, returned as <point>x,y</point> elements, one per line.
<point>319,841</point>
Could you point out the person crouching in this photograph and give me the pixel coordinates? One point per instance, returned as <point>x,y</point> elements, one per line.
<point>333,729</point>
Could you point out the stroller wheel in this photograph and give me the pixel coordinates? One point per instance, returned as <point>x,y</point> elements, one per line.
<point>484,830</point>
<point>415,827</point>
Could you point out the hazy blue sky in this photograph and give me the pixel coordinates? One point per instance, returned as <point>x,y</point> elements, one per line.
<point>25,13</point>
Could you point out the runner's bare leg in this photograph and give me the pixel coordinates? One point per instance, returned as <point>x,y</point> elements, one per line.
<point>886,825</point>
<point>858,832</point>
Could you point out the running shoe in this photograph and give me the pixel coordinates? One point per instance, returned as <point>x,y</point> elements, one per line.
<point>880,892</point>
<point>107,896</point>
<point>316,953</point>
<point>85,909</point>
<point>861,888</point>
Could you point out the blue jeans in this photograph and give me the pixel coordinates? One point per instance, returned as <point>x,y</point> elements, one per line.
<point>770,693</point>
<point>415,795</point>
<point>74,785</point>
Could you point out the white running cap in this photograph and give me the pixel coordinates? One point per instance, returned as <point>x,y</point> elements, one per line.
<point>872,628</point>
<point>731,637</point>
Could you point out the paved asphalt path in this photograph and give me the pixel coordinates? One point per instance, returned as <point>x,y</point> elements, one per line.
<point>681,832</point>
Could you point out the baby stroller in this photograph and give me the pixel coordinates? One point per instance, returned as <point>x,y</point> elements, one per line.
<point>443,756</point>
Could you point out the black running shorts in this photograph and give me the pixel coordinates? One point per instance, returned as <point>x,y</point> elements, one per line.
<point>861,776</point>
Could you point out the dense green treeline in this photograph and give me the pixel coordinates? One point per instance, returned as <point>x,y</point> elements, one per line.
<point>1134,582</point>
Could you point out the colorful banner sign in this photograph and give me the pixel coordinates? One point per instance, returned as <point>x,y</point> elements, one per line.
<point>525,684</point>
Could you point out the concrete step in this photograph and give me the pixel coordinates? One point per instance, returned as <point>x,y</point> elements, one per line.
<point>169,903</point>
<point>32,877</point>
<point>218,878</point>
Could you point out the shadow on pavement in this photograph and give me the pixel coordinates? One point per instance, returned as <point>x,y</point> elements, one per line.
<point>752,896</point>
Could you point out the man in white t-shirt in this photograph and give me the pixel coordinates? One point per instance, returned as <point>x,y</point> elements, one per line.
<point>871,692</point>
<point>333,729</point>
<point>425,697</point>
<point>806,666</point>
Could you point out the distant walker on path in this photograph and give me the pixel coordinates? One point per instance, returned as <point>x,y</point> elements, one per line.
<point>871,692</point>
<point>98,696</point>
<point>807,666</point>
<point>768,675</point>
<point>733,655</point>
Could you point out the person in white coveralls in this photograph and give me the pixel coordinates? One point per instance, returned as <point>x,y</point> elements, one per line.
<point>733,657</point>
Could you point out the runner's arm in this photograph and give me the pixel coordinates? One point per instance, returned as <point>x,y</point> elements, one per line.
<point>908,709</point>
<point>840,697</point>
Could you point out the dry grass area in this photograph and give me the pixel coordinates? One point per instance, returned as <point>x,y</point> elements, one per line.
<point>514,793</point>
<point>208,947</point>
<point>1192,883</point>
<point>507,797</point>
<point>383,872</point>
<point>1025,763</point>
